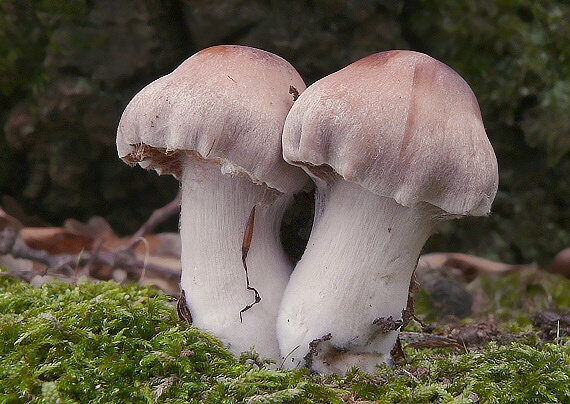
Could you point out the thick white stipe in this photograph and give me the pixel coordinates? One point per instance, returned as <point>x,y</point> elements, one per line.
<point>356,269</point>
<point>214,213</point>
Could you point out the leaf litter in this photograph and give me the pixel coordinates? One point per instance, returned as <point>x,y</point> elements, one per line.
<point>516,314</point>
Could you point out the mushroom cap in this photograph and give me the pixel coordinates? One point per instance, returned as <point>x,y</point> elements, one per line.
<point>400,124</point>
<point>225,104</point>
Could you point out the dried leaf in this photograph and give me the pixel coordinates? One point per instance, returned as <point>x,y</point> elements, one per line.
<point>56,240</point>
<point>468,266</point>
<point>182,309</point>
<point>247,236</point>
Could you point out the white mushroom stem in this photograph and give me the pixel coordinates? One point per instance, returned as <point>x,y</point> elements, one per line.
<point>215,208</point>
<point>354,273</point>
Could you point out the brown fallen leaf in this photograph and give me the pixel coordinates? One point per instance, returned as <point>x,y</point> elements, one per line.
<point>468,266</point>
<point>56,240</point>
<point>92,249</point>
<point>96,227</point>
<point>102,233</point>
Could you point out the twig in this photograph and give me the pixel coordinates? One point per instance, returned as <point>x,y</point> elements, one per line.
<point>416,339</point>
<point>146,254</point>
<point>156,218</point>
<point>96,249</point>
<point>123,257</point>
<point>115,259</point>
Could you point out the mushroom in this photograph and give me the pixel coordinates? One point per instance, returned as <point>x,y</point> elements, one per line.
<point>395,144</point>
<point>215,123</point>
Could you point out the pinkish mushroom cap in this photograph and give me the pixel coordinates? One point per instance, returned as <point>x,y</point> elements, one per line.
<point>402,125</point>
<point>217,105</point>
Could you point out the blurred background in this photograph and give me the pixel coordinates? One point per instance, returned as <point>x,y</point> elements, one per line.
<point>69,67</point>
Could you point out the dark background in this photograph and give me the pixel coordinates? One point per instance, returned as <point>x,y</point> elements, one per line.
<point>69,67</point>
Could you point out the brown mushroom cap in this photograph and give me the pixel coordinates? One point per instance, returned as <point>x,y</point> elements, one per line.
<point>225,104</point>
<point>402,125</point>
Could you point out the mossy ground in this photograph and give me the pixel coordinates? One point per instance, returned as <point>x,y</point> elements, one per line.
<point>107,343</point>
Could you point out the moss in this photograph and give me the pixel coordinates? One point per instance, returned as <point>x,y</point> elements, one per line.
<point>516,373</point>
<point>106,343</point>
<point>516,296</point>
<point>509,298</point>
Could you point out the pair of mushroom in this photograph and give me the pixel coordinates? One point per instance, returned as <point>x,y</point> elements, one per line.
<point>394,143</point>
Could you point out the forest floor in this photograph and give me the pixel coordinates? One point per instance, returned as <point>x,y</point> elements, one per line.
<point>100,325</point>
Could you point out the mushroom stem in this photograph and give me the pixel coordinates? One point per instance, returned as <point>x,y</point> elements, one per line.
<point>214,212</point>
<point>354,275</point>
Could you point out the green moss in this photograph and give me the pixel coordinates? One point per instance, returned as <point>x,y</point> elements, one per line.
<point>516,373</point>
<point>516,296</point>
<point>509,298</point>
<point>106,343</point>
